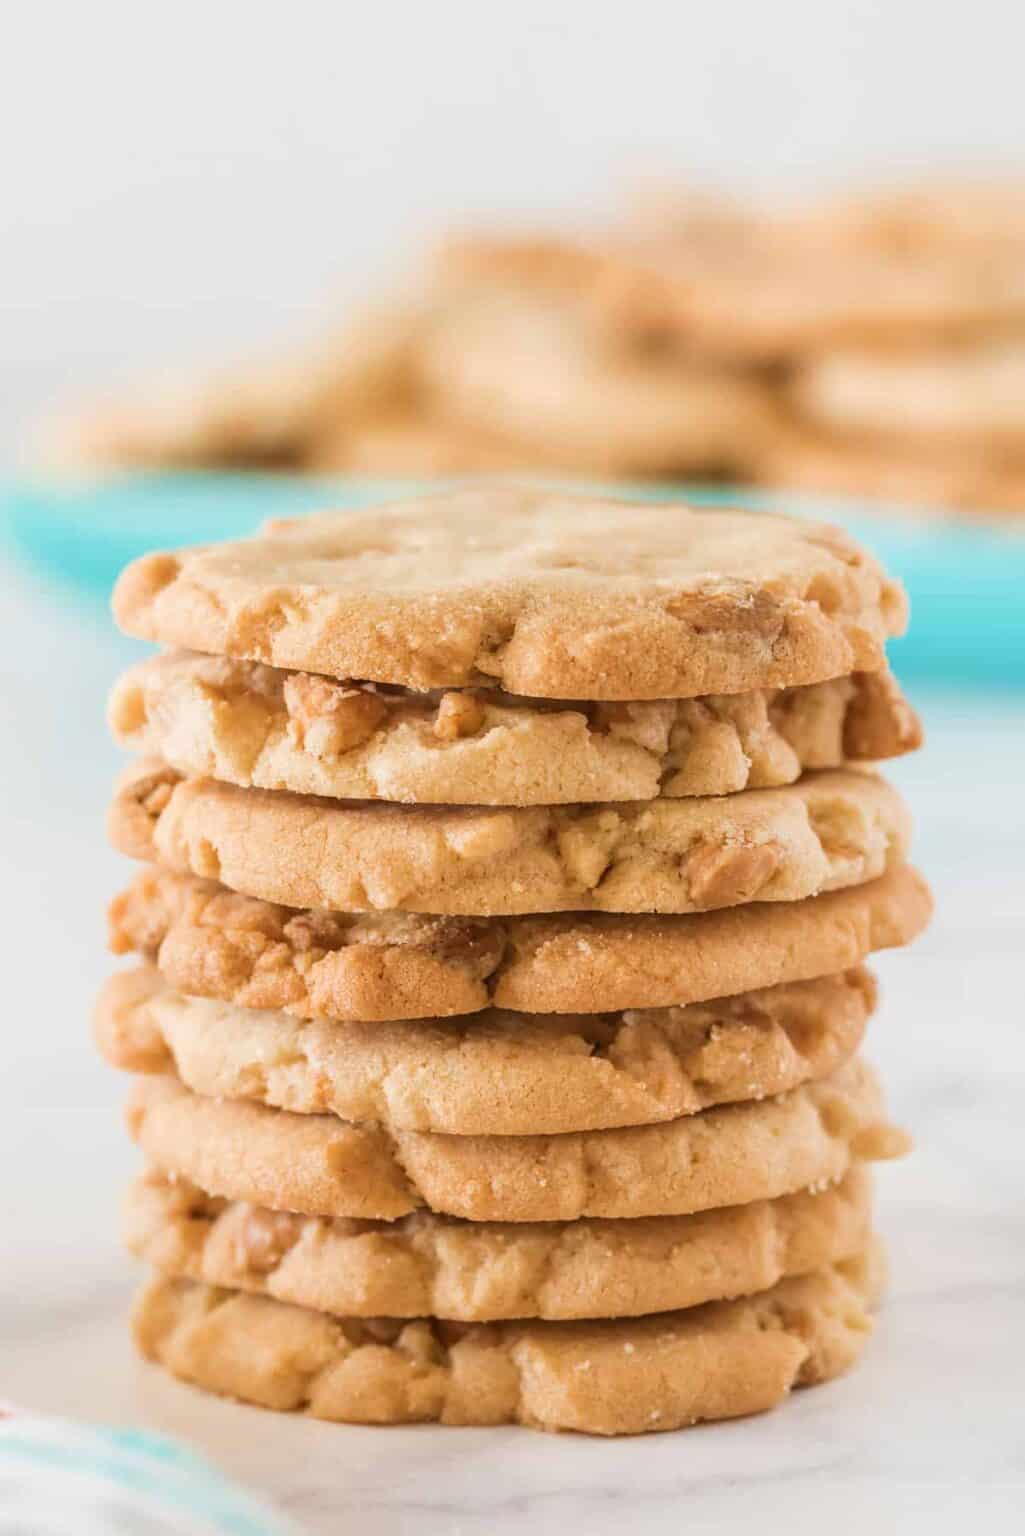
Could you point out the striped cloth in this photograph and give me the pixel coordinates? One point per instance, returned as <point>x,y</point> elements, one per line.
<point>59,1478</point>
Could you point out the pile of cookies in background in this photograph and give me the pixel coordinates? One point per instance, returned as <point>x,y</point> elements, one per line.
<point>873,346</point>
<point>509,863</point>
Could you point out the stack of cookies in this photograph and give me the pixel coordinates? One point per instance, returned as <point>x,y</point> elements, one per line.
<point>872,345</point>
<point>509,866</point>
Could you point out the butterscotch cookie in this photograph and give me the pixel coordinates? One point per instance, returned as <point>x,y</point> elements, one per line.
<point>609,1378</point>
<point>273,412</point>
<point>257,726</point>
<point>934,214</point>
<point>806,459</point>
<point>500,1074</point>
<point>785,288</point>
<point>392,965</point>
<point>529,363</point>
<point>832,829</point>
<point>249,416</point>
<point>322,1166</point>
<point>416,446</point>
<point>432,1266</point>
<point>546,595</point>
<point>938,399</point>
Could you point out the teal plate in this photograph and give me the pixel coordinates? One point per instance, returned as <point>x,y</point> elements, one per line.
<point>966,580</point>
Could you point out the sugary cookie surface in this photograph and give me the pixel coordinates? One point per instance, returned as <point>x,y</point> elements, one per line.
<point>546,595</point>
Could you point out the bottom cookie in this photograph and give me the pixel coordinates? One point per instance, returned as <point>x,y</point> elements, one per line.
<point>718,1361</point>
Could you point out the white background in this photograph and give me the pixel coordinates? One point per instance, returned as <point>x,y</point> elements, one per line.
<point>180,181</point>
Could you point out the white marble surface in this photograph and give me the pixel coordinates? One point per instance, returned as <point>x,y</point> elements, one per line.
<point>928,1436</point>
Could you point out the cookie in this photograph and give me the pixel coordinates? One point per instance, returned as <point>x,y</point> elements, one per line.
<point>609,1378</point>
<point>322,1166</point>
<point>500,1074</point>
<point>259,727</point>
<point>941,400</point>
<point>333,965</point>
<point>804,459</point>
<point>415,446</point>
<point>527,363</point>
<point>545,595</point>
<point>780,289</point>
<point>431,1266</point>
<point>271,413</point>
<point>832,829</point>
<point>932,215</point>
<point>255,416</point>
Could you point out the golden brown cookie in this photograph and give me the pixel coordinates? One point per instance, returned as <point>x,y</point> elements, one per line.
<point>547,595</point>
<point>272,412</point>
<point>774,289</point>
<point>416,446</point>
<point>259,727</point>
<point>432,1266</point>
<point>529,364</point>
<point>969,480</point>
<point>608,1378</point>
<point>932,214</point>
<point>393,965</point>
<point>322,1166</point>
<point>498,1074</point>
<point>249,416</point>
<point>939,400</point>
<point>830,830</point>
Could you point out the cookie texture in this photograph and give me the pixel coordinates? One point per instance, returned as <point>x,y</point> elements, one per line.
<point>546,595</point>
<point>608,1378</point>
<point>832,829</point>
<point>432,1266</point>
<point>501,1074</point>
<point>211,942</point>
<point>260,727</point>
<point>319,1165</point>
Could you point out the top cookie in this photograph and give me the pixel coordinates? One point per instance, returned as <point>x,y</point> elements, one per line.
<point>547,595</point>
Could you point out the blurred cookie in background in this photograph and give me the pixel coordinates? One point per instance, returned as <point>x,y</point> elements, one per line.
<point>869,344</point>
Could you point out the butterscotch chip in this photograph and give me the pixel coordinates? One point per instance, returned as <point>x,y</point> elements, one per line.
<point>623,1377</point>
<point>501,1074</point>
<point>459,715</point>
<point>831,829</point>
<point>338,965</point>
<point>332,965</point>
<point>257,726</point>
<point>426,1265</point>
<point>545,595</point>
<point>326,718</point>
<point>320,1165</point>
<point>721,874</point>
